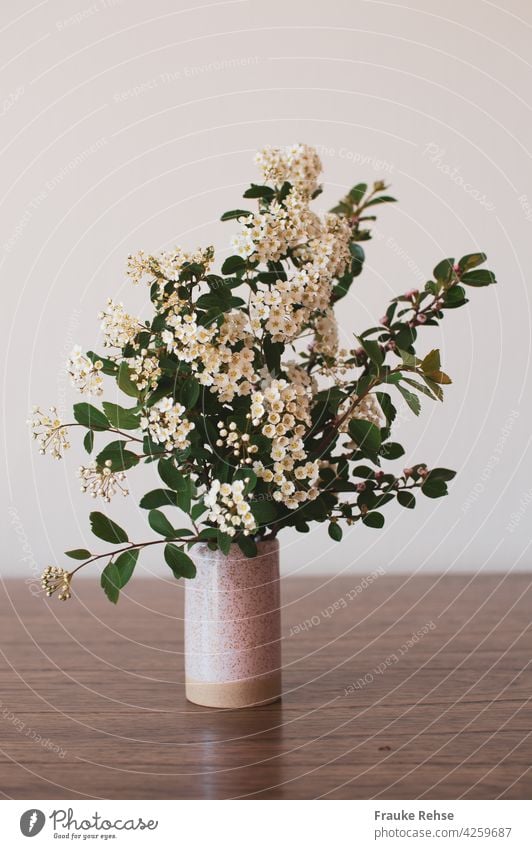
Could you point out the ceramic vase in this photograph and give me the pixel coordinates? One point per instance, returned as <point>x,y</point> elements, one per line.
<point>233,628</point>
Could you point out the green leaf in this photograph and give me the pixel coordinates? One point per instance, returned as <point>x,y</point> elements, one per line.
<point>176,481</point>
<point>471,261</point>
<point>431,362</point>
<point>419,386</point>
<point>441,474</point>
<point>373,520</point>
<point>124,381</point>
<point>259,192</point>
<point>440,377</point>
<point>406,499</point>
<point>265,512</point>
<point>170,474</point>
<point>455,297</point>
<point>444,270</point>
<point>433,386</point>
<point>179,562</point>
<point>434,488</point>
<point>335,532</point>
<point>106,529</point>
<point>357,193</point>
<point>248,546</point>
<point>392,450</point>
<point>373,350</point>
<point>363,472</point>
<point>479,277</point>
<point>158,498</point>
<point>224,542</point>
<point>120,417</point>
<point>366,435</point>
<point>273,352</point>
<point>160,524</point>
<point>409,360</point>
<point>119,456</point>
<point>208,533</point>
<point>125,564</point>
<point>232,264</point>
<point>380,199</point>
<point>89,416</point>
<point>151,447</point>
<point>411,399</point>
<point>88,441</point>
<point>189,392</point>
<point>78,554</point>
<point>197,510</point>
<point>235,213</point>
<point>110,582</point>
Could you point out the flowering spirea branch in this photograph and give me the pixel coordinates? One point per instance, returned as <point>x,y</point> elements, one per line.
<point>238,389</point>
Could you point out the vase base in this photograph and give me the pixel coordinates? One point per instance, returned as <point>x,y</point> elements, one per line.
<point>249,692</point>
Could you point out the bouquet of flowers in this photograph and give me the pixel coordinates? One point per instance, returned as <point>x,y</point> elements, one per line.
<point>237,389</point>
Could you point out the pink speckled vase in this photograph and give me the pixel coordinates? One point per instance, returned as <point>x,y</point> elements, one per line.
<point>233,628</point>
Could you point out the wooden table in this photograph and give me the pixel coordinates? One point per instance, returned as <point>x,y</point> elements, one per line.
<point>92,700</point>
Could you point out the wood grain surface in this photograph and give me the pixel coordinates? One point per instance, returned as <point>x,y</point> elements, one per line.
<point>92,697</point>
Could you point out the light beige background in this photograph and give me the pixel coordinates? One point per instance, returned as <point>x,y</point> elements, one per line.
<point>127,124</point>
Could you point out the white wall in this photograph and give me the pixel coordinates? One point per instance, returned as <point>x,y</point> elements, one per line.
<point>119,133</point>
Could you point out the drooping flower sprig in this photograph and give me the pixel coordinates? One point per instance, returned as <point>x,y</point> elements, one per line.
<point>237,388</point>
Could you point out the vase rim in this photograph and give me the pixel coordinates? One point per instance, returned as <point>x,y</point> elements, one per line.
<point>263,545</point>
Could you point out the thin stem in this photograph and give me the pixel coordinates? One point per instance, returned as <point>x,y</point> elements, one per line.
<point>133,546</point>
<point>107,430</point>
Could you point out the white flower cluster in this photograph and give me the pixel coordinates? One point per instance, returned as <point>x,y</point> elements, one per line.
<point>239,443</point>
<point>326,334</point>
<point>216,365</point>
<point>321,247</point>
<point>187,339</point>
<point>145,368</point>
<point>166,265</point>
<point>118,327</point>
<point>165,424</point>
<point>283,410</point>
<point>229,509</point>
<point>267,235</point>
<point>85,375</point>
<point>298,164</point>
<point>367,409</point>
<point>101,481</point>
<point>49,431</point>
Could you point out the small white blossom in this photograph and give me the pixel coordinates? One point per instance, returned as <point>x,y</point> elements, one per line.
<point>101,480</point>
<point>85,375</point>
<point>166,425</point>
<point>118,327</point>
<point>229,509</point>
<point>49,432</point>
